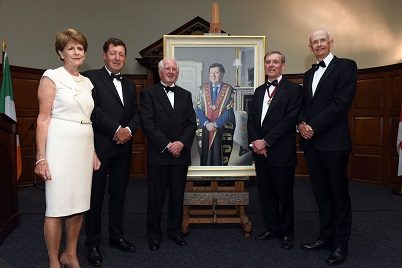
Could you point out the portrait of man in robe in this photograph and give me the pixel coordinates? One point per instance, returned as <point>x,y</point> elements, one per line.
<point>216,122</point>
<point>233,64</point>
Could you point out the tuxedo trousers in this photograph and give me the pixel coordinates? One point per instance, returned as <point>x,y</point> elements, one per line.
<point>275,188</point>
<point>118,169</point>
<point>329,181</point>
<point>163,179</point>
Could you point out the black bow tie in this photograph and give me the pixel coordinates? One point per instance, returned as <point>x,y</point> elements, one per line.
<point>117,76</point>
<point>172,89</point>
<point>317,65</point>
<point>272,83</point>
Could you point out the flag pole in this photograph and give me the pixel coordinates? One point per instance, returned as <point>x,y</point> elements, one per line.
<point>3,50</point>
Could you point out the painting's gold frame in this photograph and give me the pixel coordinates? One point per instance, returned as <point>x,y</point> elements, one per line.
<point>173,42</point>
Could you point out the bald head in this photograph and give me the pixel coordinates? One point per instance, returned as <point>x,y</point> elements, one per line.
<point>320,43</point>
<point>320,31</point>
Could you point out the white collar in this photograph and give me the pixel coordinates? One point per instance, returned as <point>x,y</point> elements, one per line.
<point>110,71</point>
<point>328,59</point>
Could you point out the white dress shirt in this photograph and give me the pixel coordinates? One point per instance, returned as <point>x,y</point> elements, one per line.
<point>265,104</point>
<point>169,94</point>
<point>320,71</point>
<point>118,86</point>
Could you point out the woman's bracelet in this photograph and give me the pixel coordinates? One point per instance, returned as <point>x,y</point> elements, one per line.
<point>40,160</point>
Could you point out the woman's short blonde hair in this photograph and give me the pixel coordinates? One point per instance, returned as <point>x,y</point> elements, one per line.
<point>68,35</point>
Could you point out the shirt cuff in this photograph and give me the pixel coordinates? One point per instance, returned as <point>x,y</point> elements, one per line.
<point>266,143</point>
<point>165,147</point>
<point>117,130</point>
<point>129,131</point>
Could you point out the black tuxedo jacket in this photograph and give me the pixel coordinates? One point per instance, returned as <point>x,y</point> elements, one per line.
<point>110,113</point>
<point>163,124</point>
<point>279,126</point>
<point>327,111</point>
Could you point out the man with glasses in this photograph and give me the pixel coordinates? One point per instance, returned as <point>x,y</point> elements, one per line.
<point>328,88</point>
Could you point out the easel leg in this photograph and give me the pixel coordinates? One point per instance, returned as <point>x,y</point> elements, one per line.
<point>185,226</point>
<point>245,222</point>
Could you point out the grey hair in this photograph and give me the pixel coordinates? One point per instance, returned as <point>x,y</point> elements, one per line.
<point>275,52</point>
<point>161,64</point>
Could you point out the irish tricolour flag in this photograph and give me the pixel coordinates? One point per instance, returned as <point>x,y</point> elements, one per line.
<point>7,105</point>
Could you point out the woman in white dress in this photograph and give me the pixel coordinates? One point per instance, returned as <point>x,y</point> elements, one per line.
<point>65,150</point>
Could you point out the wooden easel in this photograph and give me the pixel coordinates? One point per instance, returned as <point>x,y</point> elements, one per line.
<point>216,204</point>
<point>205,200</point>
<point>215,25</point>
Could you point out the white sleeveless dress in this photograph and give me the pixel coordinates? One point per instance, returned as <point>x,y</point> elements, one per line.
<point>69,145</point>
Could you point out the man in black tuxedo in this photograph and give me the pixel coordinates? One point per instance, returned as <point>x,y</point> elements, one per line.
<point>272,135</point>
<point>328,88</point>
<point>115,119</point>
<point>168,121</point>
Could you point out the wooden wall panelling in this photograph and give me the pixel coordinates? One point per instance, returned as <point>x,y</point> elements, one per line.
<point>367,119</point>
<point>396,91</point>
<point>374,119</point>
<point>374,124</point>
<point>138,164</point>
<point>25,85</point>
<point>301,168</point>
<point>395,100</point>
<point>394,159</point>
<point>9,215</point>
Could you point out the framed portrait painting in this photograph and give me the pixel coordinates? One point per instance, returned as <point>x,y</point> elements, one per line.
<point>221,72</point>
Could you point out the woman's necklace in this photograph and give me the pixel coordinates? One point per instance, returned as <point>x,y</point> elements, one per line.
<point>76,78</point>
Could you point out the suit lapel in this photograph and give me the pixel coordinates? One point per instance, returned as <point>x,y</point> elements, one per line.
<point>109,82</point>
<point>309,83</point>
<point>278,94</point>
<point>329,69</point>
<point>124,87</point>
<point>178,102</point>
<point>164,100</point>
<point>260,98</point>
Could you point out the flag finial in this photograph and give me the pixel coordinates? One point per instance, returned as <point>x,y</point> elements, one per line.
<point>4,46</point>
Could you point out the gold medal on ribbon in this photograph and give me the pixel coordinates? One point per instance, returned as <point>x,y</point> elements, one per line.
<point>269,101</point>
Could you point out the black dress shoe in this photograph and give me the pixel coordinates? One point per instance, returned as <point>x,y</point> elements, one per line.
<point>153,244</point>
<point>337,256</point>
<point>287,242</point>
<point>179,240</point>
<point>266,235</point>
<point>122,244</point>
<point>317,245</point>
<point>95,257</point>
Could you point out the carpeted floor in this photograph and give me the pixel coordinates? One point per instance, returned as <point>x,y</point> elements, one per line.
<point>376,235</point>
